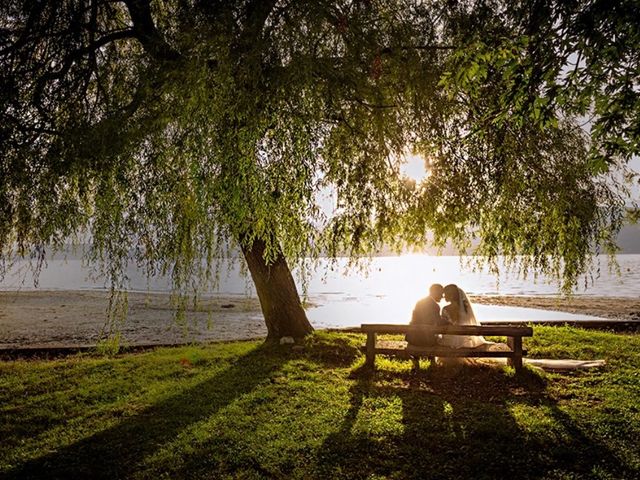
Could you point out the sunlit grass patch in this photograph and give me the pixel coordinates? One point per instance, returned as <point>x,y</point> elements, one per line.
<point>538,421</point>
<point>391,364</point>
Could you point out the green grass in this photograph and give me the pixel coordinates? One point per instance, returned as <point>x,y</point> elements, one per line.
<point>243,410</point>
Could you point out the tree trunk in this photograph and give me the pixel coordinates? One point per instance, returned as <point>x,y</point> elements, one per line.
<point>279,298</point>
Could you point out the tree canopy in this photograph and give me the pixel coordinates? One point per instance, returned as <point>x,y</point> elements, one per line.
<point>173,129</point>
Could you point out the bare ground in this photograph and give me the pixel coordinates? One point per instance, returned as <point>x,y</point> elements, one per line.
<point>618,308</point>
<point>71,318</point>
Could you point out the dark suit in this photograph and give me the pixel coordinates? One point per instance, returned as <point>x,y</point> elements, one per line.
<point>426,312</point>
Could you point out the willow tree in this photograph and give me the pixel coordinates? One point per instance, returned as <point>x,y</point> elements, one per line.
<point>167,131</point>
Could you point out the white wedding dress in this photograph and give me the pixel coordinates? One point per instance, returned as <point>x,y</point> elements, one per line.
<point>465,317</point>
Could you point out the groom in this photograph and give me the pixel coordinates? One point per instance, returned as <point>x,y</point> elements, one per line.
<point>426,312</point>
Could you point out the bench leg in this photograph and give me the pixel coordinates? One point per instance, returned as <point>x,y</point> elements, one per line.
<point>371,350</point>
<point>416,364</point>
<point>515,344</point>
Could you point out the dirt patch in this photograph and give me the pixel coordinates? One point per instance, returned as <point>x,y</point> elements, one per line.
<point>52,318</point>
<point>618,308</point>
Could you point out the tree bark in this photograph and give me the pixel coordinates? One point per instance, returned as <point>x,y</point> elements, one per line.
<point>279,298</point>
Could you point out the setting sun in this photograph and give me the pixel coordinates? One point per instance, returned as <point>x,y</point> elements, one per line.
<point>414,167</point>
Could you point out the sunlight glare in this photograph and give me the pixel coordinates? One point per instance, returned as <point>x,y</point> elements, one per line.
<point>414,167</point>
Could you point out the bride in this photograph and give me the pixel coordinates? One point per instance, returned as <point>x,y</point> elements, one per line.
<point>459,312</point>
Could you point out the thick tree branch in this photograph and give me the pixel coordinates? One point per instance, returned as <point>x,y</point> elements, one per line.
<point>146,32</point>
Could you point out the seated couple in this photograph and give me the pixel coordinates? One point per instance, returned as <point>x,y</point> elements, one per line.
<point>457,312</point>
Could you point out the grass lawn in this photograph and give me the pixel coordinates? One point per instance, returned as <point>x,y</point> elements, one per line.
<point>243,410</point>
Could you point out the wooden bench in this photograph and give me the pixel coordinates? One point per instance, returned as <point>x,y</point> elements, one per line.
<point>512,350</point>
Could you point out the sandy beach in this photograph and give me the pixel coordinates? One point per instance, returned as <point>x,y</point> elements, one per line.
<point>616,308</point>
<point>74,318</point>
<point>71,318</point>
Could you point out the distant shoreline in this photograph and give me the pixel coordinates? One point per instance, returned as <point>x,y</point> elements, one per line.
<point>403,276</point>
<point>68,252</point>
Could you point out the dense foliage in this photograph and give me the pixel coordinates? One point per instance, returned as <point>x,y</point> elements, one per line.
<point>178,129</point>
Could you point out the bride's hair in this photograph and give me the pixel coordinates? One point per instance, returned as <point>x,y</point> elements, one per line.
<point>451,291</point>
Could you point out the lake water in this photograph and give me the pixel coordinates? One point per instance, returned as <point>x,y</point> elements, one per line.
<point>383,292</point>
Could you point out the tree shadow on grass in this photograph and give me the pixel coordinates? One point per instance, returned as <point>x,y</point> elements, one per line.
<point>116,451</point>
<point>462,426</point>
<point>237,453</point>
